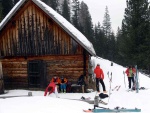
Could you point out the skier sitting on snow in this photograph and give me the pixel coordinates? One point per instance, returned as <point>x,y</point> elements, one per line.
<point>56,80</point>
<point>130,74</point>
<point>52,87</point>
<point>99,78</point>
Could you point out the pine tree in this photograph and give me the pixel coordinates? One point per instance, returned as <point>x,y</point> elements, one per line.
<point>99,40</point>
<point>119,56</point>
<point>66,10</point>
<point>108,35</point>
<point>107,23</point>
<point>85,21</point>
<point>111,47</point>
<point>75,13</point>
<point>136,31</point>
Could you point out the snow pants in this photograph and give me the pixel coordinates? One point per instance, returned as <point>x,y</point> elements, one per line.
<point>130,79</point>
<point>102,83</point>
<point>63,87</point>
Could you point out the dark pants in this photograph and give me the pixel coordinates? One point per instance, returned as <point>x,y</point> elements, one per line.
<point>130,79</point>
<point>102,83</point>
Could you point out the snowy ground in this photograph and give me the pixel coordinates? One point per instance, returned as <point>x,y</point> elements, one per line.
<point>40,104</point>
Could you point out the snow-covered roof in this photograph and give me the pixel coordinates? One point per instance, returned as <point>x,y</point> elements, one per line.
<point>67,26</point>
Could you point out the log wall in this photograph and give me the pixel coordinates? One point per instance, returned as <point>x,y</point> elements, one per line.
<point>16,75</point>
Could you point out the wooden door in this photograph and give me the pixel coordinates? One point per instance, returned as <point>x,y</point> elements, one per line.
<point>36,74</point>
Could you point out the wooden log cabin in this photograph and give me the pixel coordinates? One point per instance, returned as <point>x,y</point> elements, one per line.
<point>37,43</point>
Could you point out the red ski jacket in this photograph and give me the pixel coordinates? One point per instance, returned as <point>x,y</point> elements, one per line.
<point>99,72</point>
<point>132,73</point>
<point>55,80</point>
<point>52,86</point>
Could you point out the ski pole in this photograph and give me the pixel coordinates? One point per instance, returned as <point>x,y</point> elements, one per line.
<point>124,79</point>
<point>108,74</point>
<point>110,81</point>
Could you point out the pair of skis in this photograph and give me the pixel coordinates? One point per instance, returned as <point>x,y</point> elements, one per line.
<point>116,110</point>
<point>141,88</point>
<point>116,88</point>
<point>112,110</point>
<point>88,100</point>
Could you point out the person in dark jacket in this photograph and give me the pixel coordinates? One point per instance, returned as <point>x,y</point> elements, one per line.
<point>51,88</point>
<point>81,80</point>
<point>99,78</point>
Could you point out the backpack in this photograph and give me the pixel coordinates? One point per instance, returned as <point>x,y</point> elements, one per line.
<point>102,95</point>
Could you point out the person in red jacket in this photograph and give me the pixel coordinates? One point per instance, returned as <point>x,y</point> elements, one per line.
<point>130,71</point>
<point>52,87</point>
<point>56,80</point>
<point>99,78</point>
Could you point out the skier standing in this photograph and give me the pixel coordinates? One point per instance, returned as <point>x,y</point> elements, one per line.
<point>99,78</point>
<point>130,74</point>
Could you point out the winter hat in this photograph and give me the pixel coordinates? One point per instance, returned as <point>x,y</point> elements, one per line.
<point>98,64</point>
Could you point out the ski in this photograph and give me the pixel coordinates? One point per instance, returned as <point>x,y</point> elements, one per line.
<point>13,96</point>
<point>83,98</point>
<point>4,97</point>
<point>114,88</point>
<point>88,100</point>
<point>116,110</point>
<point>118,88</point>
<point>141,88</point>
<point>102,102</point>
<point>88,111</point>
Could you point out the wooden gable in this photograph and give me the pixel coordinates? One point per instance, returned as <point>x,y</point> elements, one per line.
<point>32,32</point>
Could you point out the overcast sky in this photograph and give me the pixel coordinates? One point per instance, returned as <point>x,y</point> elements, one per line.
<point>116,10</point>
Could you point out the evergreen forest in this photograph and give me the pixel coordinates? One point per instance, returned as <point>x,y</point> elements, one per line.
<point>130,45</point>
